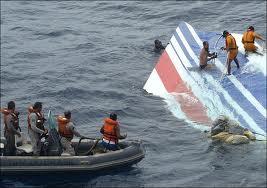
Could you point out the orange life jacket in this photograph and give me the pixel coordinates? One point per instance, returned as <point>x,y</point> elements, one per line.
<point>62,127</point>
<point>248,37</point>
<point>15,116</point>
<point>230,42</point>
<point>40,119</point>
<point>109,130</point>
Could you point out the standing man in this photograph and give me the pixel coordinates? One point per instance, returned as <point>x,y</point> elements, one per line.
<point>248,40</point>
<point>67,130</point>
<point>111,132</point>
<point>205,55</point>
<point>11,122</point>
<point>231,49</point>
<point>36,127</point>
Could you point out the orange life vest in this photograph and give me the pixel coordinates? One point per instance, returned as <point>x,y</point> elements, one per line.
<point>248,37</point>
<point>62,127</point>
<point>40,119</point>
<point>109,130</point>
<point>230,42</point>
<point>6,112</point>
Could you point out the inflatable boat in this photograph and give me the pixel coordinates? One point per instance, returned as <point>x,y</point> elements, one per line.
<point>90,156</point>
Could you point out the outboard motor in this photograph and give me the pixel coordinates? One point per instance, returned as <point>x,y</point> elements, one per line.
<point>52,145</point>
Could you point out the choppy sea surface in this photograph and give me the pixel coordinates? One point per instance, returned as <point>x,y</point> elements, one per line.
<point>93,58</point>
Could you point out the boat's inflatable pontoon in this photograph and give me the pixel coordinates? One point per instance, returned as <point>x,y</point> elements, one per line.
<point>89,157</point>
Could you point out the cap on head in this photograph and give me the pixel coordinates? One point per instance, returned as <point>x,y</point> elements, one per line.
<point>113,116</point>
<point>11,105</point>
<point>67,114</point>
<point>225,32</point>
<point>37,105</point>
<point>251,28</point>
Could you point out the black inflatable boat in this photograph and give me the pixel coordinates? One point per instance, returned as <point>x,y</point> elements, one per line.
<point>89,157</point>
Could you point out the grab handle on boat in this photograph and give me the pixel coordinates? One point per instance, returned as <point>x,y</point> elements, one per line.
<point>89,138</point>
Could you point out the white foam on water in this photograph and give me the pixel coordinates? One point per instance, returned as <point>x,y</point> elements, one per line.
<point>256,63</point>
<point>174,107</point>
<point>188,100</point>
<point>208,91</point>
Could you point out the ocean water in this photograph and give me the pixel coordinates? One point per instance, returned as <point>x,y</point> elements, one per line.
<point>94,58</point>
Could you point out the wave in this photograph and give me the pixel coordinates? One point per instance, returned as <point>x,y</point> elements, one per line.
<point>256,63</point>
<point>32,55</point>
<point>84,46</point>
<point>19,28</point>
<point>126,7</point>
<point>43,35</point>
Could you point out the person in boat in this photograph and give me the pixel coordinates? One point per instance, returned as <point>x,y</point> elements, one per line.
<point>248,40</point>
<point>67,130</point>
<point>11,127</point>
<point>36,127</point>
<point>158,46</point>
<point>229,131</point>
<point>111,133</point>
<point>205,55</point>
<point>232,50</point>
